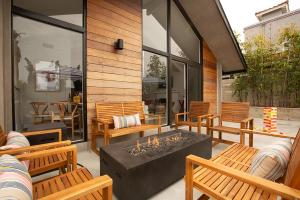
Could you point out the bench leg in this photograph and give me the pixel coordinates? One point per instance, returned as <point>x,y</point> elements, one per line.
<point>242,137</point>
<point>220,135</point>
<point>142,133</point>
<point>190,128</point>
<point>106,139</point>
<point>199,129</point>
<point>107,193</point>
<point>159,130</point>
<point>188,180</point>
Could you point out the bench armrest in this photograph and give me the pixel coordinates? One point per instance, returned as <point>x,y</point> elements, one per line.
<point>267,134</point>
<point>272,187</point>
<point>204,116</point>
<point>77,191</point>
<point>101,121</point>
<point>32,133</point>
<point>35,148</point>
<point>214,116</point>
<point>247,120</point>
<point>183,113</point>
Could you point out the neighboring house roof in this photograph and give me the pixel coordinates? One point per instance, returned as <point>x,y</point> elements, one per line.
<point>283,7</point>
<point>210,20</point>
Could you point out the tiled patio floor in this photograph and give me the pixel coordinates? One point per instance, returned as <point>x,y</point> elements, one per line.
<point>176,191</point>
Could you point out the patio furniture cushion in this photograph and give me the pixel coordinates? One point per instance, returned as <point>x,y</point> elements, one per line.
<point>15,181</point>
<point>271,162</point>
<point>126,121</point>
<point>15,140</point>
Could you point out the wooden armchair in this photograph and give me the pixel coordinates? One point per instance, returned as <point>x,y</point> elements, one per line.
<point>198,110</point>
<point>225,175</point>
<point>236,112</point>
<point>43,163</point>
<point>40,111</point>
<point>75,184</point>
<point>64,116</point>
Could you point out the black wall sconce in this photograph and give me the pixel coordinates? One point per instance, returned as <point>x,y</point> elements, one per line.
<point>119,44</point>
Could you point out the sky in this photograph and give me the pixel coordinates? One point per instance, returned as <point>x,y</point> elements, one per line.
<point>241,13</point>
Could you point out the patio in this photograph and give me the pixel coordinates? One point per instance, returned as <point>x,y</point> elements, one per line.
<point>177,191</point>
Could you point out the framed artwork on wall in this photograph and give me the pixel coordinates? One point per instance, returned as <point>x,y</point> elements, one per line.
<point>47,76</point>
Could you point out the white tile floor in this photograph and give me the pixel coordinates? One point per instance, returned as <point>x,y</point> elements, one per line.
<point>176,190</point>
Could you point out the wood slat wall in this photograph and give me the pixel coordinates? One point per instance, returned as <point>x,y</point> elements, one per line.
<point>113,75</point>
<point>209,78</point>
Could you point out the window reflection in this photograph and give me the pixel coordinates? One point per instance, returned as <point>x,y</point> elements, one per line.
<point>155,84</point>
<point>155,24</point>
<point>47,76</point>
<point>184,42</point>
<point>70,11</point>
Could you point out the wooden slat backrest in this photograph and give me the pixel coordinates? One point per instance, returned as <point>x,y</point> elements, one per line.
<point>292,177</point>
<point>131,108</point>
<point>106,111</point>
<point>235,111</point>
<point>2,137</point>
<point>198,108</point>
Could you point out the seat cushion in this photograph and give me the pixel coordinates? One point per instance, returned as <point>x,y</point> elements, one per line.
<point>126,121</point>
<point>15,181</point>
<point>271,162</point>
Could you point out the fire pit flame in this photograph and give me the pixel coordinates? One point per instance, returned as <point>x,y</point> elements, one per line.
<point>156,144</point>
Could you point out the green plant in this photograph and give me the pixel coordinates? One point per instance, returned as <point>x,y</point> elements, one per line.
<point>273,76</point>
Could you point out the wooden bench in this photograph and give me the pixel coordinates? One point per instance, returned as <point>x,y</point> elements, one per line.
<point>225,176</point>
<point>43,163</point>
<point>104,125</point>
<point>236,112</point>
<point>75,184</point>
<point>197,110</point>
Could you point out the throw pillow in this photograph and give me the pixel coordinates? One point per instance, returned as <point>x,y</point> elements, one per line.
<point>271,162</point>
<point>16,140</point>
<point>15,181</point>
<point>126,121</point>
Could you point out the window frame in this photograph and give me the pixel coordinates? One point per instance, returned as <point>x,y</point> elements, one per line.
<point>60,24</point>
<point>170,56</point>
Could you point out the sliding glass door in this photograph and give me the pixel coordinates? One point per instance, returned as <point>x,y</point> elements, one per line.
<point>178,88</point>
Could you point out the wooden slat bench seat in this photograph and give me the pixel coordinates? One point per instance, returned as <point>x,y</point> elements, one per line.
<point>41,164</point>
<point>103,123</point>
<point>236,112</point>
<point>198,110</point>
<point>75,184</point>
<point>56,187</point>
<point>225,176</point>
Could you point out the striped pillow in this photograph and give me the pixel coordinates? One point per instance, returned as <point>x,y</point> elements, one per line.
<point>16,140</point>
<point>15,181</point>
<point>126,121</point>
<point>271,162</point>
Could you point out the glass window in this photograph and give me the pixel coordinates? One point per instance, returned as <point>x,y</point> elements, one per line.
<point>194,83</point>
<point>178,88</point>
<point>66,10</point>
<point>48,68</point>
<point>184,42</point>
<point>155,24</point>
<point>155,84</point>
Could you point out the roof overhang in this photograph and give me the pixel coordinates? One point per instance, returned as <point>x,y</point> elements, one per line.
<point>210,20</point>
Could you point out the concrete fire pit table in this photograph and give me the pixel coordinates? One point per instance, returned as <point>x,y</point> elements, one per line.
<point>142,168</point>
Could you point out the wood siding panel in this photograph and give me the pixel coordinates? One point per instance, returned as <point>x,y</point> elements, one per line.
<point>113,75</point>
<point>209,78</point>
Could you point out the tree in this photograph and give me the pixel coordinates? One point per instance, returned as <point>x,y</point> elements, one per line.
<point>156,68</point>
<point>273,76</point>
